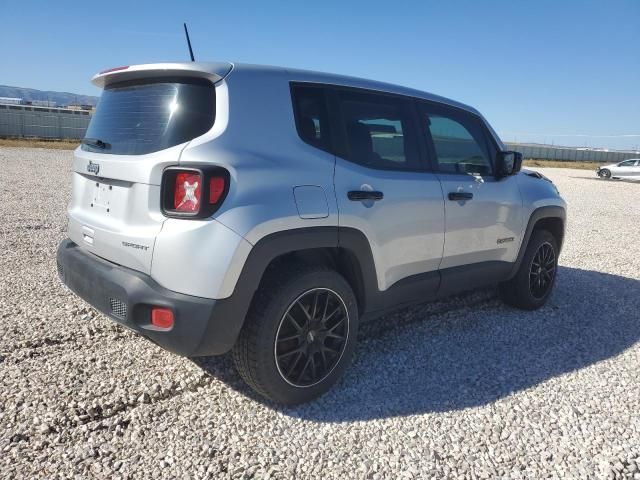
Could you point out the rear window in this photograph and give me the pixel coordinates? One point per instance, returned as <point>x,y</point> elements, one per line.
<point>136,118</point>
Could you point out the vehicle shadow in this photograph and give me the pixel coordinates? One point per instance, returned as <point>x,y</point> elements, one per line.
<point>474,355</point>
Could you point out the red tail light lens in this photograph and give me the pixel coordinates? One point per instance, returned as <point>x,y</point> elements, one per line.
<point>161,317</point>
<point>216,189</point>
<point>188,192</point>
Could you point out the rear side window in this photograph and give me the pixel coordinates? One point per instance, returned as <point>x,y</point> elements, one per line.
<point>136,118</point>
<point>379,131</point>
<point>458,141</point>
<point>312,119</point>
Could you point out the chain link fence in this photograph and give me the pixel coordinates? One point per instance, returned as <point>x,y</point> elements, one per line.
<point>24,121</point>
<point>570,154</point>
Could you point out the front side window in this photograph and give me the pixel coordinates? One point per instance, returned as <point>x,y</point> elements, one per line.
<point>379,131</point>
<point>627,163</point>
<point>137,118</point>
<point>458,142</point>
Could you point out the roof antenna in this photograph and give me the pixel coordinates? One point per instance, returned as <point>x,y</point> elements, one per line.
<point>186,32</point>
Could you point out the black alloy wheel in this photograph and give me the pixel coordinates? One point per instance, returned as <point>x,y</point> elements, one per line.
<point>532,284</point>
<point>542,270</point>
<point>311,337</point>
<point>299,335</point>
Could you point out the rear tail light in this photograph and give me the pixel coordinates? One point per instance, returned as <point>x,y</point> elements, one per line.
<point>193,192</point>
<point>161,318</point>
<point>187,192</point>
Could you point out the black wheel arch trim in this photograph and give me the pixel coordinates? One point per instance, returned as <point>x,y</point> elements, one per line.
<point>275,245</point>
<point>267,249</point>
<point>540,213</point>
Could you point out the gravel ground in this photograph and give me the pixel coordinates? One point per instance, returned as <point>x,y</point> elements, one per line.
<point>464,388</point>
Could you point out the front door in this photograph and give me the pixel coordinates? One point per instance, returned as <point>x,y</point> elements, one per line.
<point>483,215</point>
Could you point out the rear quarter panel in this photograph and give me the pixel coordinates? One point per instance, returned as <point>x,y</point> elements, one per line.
<point>256,140</point>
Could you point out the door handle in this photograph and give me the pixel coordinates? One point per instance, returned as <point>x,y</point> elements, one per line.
<point>360,195</point>
<point>460,195</point>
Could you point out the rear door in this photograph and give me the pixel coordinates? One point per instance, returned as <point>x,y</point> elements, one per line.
<point>139,128</point>
<point>382,188</point>
<point>483,215</point>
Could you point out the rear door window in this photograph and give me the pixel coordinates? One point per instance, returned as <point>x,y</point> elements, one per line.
<point>136,118</point>
<point>379,131</point>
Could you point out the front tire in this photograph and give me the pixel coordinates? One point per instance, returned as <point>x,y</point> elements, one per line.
<point>605,173</point>
<point>531,287</point>
<point>299,335</point>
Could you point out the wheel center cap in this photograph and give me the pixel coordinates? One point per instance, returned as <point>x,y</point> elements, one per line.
<point>311,336</point>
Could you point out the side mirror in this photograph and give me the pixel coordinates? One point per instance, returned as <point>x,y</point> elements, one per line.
<point>508,163</point>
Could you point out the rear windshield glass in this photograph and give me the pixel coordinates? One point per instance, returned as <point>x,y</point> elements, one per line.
<point>138,118</point>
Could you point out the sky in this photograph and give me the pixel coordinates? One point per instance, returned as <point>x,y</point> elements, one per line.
<point>566,72</point>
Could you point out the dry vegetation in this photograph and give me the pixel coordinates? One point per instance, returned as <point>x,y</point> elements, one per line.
<point>559,164</point>
<point>39,143</point>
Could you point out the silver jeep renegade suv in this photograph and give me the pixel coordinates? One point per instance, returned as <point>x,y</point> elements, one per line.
<point>268,211</point>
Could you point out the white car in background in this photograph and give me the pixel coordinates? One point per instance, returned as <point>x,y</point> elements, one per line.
<point>626,169</point>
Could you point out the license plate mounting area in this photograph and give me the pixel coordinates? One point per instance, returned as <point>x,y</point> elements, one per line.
<point>102,196</point>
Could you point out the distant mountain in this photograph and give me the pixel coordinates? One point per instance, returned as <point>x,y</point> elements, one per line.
<point>60,98</point>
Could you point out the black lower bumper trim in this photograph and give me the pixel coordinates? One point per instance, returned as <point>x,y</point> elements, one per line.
<point>201,326</point>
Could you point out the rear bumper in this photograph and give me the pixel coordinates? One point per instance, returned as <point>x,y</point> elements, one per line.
<point>202,326</point>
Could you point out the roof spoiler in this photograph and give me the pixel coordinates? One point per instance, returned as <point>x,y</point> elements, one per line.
<point>211,71</point>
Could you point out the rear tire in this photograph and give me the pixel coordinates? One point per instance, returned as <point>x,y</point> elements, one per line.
<point>530,288</point>
<point>299,335</point>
